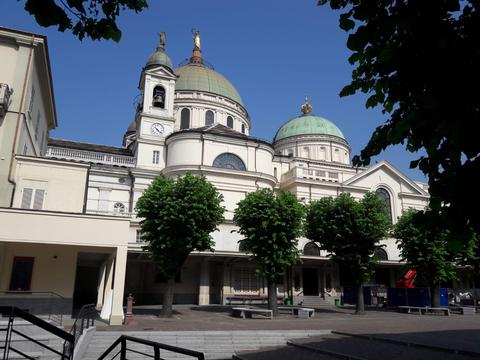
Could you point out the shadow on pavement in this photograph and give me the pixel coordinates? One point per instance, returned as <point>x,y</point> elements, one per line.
<point>447,345</point>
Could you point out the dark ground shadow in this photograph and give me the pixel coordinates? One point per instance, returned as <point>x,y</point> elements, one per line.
<point>447,345</point>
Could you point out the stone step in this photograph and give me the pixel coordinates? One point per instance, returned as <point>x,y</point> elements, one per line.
<point>214,344</point>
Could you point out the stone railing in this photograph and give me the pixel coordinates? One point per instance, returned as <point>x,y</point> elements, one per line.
<point>90,156</point>
<point>311,174</point>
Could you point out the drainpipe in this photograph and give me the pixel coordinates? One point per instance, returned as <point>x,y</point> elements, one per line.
<point>85,195</point>
<point>203,148</point>
<point>11,180</point>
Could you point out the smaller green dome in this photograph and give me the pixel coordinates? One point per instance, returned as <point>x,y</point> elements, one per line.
<point>159,57</point>
<point>308,125</point>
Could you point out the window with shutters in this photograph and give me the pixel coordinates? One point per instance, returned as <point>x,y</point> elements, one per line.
<point>32,198</point>
<point>245,280</point>
<point>21,277</point>
<point>156,157</point>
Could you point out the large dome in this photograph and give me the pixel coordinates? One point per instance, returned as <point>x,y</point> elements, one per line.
<point>308,125</point>
<point>200,78</point>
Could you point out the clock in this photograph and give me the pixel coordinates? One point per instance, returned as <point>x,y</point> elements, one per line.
<point>157,129</point>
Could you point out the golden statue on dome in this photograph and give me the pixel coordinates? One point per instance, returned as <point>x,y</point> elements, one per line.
<point>306,107</point>
<point>196,39</point>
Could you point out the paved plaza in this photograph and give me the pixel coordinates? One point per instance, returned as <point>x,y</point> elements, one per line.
<point>213,330</point>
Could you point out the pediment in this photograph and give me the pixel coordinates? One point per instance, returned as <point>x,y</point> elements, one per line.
<point>384,173</point>
<point>161,71</point>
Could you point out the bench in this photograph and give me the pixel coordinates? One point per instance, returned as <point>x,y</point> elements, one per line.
<point>249,299</point>
<point>300,311</point>
<point>424,309</point>
<point>245,312</point>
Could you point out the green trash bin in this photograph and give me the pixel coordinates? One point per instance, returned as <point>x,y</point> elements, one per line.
<point>337,302</point>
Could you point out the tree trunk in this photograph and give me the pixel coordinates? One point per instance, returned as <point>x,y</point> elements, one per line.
<point>272,296</point>
<point>360,307</point>
<point>435,295</point>
<point>167,308</point>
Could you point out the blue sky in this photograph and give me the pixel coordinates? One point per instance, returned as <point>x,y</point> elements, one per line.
<point>274,52</point>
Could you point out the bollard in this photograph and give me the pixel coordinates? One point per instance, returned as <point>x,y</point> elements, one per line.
<point>129,305</point>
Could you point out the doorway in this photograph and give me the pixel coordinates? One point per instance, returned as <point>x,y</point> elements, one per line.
<point>310,282</point>
<point>86,279</point>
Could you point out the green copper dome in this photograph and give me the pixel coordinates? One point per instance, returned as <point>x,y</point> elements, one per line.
<point>201,78</point>
<point>159,57</point>
<point>308,125</point>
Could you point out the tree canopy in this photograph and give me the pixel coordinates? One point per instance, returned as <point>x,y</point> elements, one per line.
<point>425,243</point>
<point>349,231</point>
<point>418,61</point>
<point>179,216</point>
<point>96,19</point>
<point>270,224</point>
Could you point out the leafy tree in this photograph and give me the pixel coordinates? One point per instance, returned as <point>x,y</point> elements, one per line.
<point>271,224</point>
<point>178,217</point>
<point>349,231</point>
<point>93,18</point>
<point>418,61</point>
<point>427,245</point>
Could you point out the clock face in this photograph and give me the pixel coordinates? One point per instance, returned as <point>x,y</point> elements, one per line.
<point>157,129</point>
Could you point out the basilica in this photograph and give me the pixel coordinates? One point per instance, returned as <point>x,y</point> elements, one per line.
<point>67,208</point>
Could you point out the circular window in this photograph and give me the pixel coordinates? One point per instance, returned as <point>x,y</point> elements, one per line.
<point>119,207</point>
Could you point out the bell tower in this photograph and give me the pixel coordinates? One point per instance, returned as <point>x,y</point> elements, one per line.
<point>154,117</point>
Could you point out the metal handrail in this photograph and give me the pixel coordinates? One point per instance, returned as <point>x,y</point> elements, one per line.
<point>58,318</point>
<point>13,312</point>
<point>122,340</point>
<point>85,318</point>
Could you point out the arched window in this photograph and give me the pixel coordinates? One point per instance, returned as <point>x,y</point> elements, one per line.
<point>209,117</point>
<point>230,122</point>
<point>243,128</point>
<point>384,196</point>
<point>311,249</point>
<point>119,207</point>
<point>380,254</point>
<point>229,161</point>
<point>185,119</point>
<point>159,97</point>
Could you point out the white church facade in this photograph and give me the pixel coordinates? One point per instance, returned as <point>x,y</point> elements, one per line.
<point>67,209</point>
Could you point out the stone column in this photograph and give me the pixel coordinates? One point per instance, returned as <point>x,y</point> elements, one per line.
<point>107,295</point>
<point>101,285</point>
<point>204,288</point>
<point>116,317</point>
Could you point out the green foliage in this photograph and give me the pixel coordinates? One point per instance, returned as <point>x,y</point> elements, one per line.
<point>348,230</point>
<point>93,18</point>
<point>271,225</point>
<point>418,61</point>
<point>178,217</point>
<point>432,249</point>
